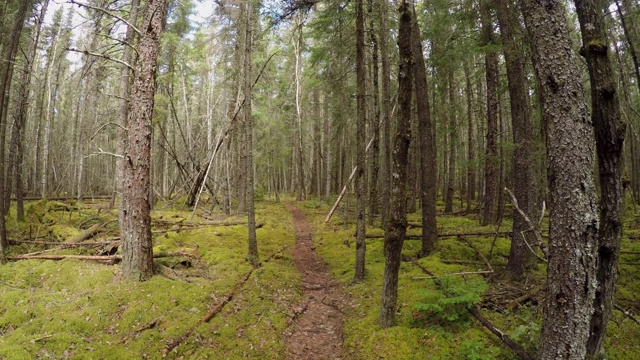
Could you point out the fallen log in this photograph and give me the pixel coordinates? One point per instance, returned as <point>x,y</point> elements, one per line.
<point>417,237</point>
<point>62,245</point>
<point>90,232</point>
<point>217,308</point>
<point>91,257</point>
<point>64,198</point>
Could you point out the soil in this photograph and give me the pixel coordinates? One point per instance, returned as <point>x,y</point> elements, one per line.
<point>315,331</point>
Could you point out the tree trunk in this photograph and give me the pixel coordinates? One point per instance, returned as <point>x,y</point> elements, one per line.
<point>520,257</point>
<point>491,154</point>
<point>396,231</point>
<point>451,179</point>
<point>360,181</point>
<point>471,151</point>
<point>609,131</point>
<point>16,150</point>
<point>385,108</point>
<point>301,191</point>
<point>252,254</point>
<point>573,218</point>
<point>137,257</point>
<point>374,121</point>
<point>428,154</point>
<point>6,73</point>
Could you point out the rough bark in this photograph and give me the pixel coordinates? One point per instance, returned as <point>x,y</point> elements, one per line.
<point>137,257</point>
<point>428,156</point>
<point>125,85</point>
<point>385,110</point>
<point>252,254</point>
<point>471,144</point>
<point>451,178</point>
<point>609,132</point>
<point>6,72</point>
<point>491,153</point>
<point>520,257</point>
<point>397,229</point>
<point>361,123</point>
<point>374,121</point>
<point>16,150</point>
<point>573,224</point>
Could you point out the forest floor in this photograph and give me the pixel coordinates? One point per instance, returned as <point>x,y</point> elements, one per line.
<point>316,330</point>
<point>67,300</point>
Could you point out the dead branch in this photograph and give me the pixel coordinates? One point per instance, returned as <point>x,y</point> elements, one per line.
<point>532,226</point>
<point>521,299</point>
<point>454,274</point>
<point>626,313</point>
<point>217,308</point>
<point>61,245</point>
<point>91,257</point>
<point>344,189</point>
<point>475,248</point>
<point>501,335</point>
<point>486,323</point>
<point>150,325</point>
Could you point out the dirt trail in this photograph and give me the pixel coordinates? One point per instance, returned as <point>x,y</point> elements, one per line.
<point>316,330</point>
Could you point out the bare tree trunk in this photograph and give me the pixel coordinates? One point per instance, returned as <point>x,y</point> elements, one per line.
<point>374,120</point>
<point>491,161</point>
<point>451,180</point>
<point>16,151</point>
<point>396,231</point>
<point>6,72</point>
<point>385,107</point>
<point>252,254</point>
<point>428,154</point>
<point>471,151</point>
<point>361,116</point>
<point>573,218</point>
<point>137,256</point>
<point>300,136</point>
<point>609,131</point>
<point>523,175</point>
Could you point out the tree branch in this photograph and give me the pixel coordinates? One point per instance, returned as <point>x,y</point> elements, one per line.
<point>106,12</point>
<point>106,57</point>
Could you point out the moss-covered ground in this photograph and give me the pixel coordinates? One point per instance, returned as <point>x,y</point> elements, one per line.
<point>83,310</point>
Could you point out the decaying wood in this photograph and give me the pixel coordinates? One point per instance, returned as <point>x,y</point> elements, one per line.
<point>521,299</point>
<point>89,233</point>
<point>445,235</point>
<point>217,308</point>
<point>59,244</point>
<point>486,323</point>
<point>64,198</point>
<point>91,257</point>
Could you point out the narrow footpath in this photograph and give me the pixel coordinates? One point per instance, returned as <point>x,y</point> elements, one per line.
<point>316,329</point>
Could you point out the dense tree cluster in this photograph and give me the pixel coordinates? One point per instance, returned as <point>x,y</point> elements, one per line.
<point>451,101</point>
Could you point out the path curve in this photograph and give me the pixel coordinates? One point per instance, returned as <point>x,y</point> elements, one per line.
<point>316,329</point>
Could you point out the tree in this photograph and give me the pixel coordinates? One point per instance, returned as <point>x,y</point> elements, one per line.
<point>360,146</point>
<point>252,254</point>
<point>8,51</point>
<point>397,228</point>
<point>523,176</point>
<point>573,218</point>
<point>137,254</point>
<point>491,154</point>
<point>428,165</point>
<point>609,132</point>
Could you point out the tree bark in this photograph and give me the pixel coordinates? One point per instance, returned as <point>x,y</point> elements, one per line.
<point>491,153</point>
<point>471,151</point>
<point>609,131</point>
<point>520,257</point>
<point>397,229</point>
<point>428,156</point>
<point>137,256</point>
<point>451,178</point>
<point>6,73</point>
<point>252,254</point>
<point>374,120</point>
<point>360,181</point>
<point>573,218</point>
<point>385,108</point>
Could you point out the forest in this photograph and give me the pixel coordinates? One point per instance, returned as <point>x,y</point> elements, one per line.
<point>316,179</point>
